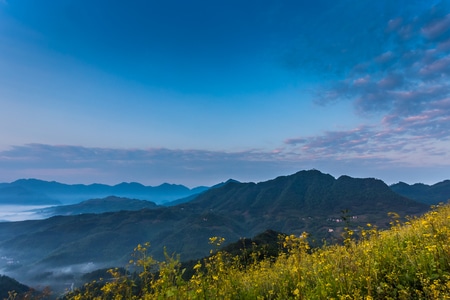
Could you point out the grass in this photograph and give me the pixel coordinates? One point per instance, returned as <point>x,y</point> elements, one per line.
<point>408,261</point>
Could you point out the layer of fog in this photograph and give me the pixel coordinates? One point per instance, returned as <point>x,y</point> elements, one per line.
<point>10,213</point>
<point>60,279</point>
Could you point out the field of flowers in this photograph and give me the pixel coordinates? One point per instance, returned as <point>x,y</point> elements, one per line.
<point>411,260</point>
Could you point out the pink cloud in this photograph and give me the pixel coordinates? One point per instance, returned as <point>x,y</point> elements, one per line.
<point>442,104</point>
<point>362,81</point>
<point>406,32</point>
<point>385,57</point>
<point>437,28</point>
<point>416,118</point>
<point>295,141</point>
<point>394,24</point>
<point>390,81</point>
<point>437,68</point>
<point>444,46</point>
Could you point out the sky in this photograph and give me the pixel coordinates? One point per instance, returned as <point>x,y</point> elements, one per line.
<point>197,92</point>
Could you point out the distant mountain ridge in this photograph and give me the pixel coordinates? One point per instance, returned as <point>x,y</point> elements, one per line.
<point>19,195</point>
<point>97,206</point>
<point>193,196</point>
<point>429,194</point>
<point>40,192</point>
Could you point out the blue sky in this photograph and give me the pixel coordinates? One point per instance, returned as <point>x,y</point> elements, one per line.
<point>196,92</point>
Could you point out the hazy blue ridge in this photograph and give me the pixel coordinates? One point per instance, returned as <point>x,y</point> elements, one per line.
<point>428,194</point>
<point>97,206</point>
<point>37,192</point>
<point>200,191</point>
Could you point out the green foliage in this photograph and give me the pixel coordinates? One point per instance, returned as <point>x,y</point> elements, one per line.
<point>408,261</point>
<point>10,289</point>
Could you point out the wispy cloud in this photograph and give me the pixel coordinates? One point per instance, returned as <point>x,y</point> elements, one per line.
<point>407,76</point>
<point>361,152</point>
<point>406,85</point>
<point>397,147</point>
<point>437,29</point>
<point>150,166</point>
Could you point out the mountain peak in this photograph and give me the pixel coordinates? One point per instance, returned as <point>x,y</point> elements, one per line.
<point>303,191</point>
<point>231,180</point>
<point>429,194</point>
<point>129,184</point>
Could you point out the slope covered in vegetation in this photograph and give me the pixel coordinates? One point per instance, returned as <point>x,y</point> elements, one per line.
<point>408,261</point>
<point>10,284</point>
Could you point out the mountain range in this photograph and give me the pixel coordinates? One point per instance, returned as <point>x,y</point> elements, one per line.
<point>311,201</point>
<point>429,194</point>
<point>39,192</point>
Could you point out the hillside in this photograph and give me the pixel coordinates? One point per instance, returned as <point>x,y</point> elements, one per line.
<point>8,284</point>
<point>193,196</point>
<point>428,194</point>
<point>306,201</point>
<point>407,261</point>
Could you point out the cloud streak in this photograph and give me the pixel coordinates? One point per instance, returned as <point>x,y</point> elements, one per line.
<point>150,166</point>
<point>361,152</point>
